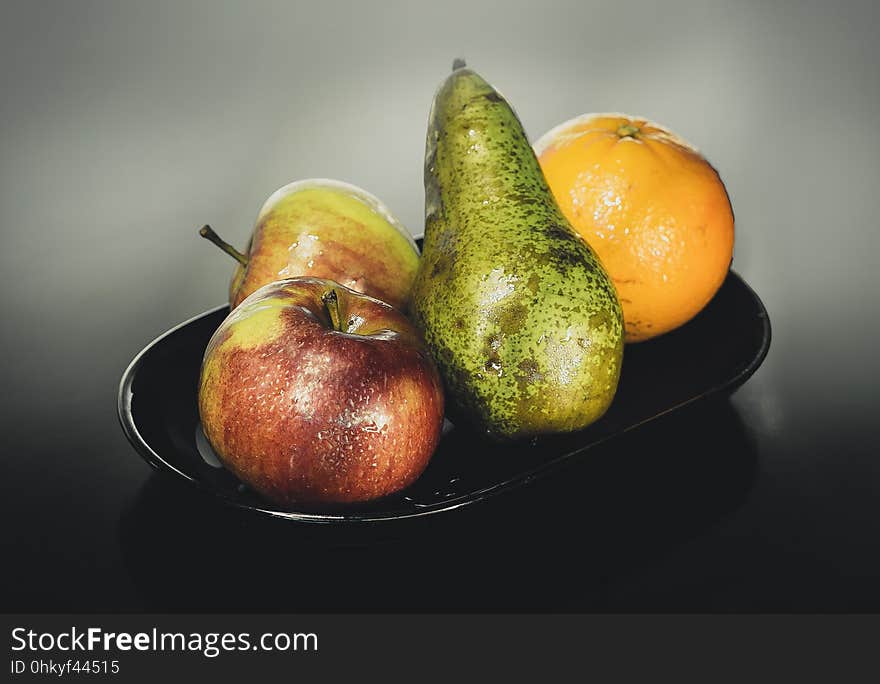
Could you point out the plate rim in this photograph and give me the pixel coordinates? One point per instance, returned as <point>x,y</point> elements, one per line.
<point>142,447</point>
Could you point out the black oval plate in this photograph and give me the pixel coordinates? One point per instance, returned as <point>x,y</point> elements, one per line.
<point>713,354</point>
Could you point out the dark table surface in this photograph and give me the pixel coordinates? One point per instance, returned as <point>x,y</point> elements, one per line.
<point>123,130</point>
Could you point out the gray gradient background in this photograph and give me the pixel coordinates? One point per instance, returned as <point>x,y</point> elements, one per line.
<point>125,126</point>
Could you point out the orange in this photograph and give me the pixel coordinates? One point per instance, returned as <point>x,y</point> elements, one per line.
<point>651,207</point>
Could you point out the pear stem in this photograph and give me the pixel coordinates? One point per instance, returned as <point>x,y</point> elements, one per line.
<point>208,233</point>
<point>331,305</point>
<point>458,63</point>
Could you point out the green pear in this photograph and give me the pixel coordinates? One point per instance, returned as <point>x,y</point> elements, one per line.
<point>517,310</point>
<point>325,228</point>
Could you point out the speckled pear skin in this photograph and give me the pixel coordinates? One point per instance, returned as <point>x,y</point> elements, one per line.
<point>518,312</point>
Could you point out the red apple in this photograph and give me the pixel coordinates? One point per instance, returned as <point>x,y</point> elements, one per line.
<point>324,228</point>
<point>312,393</point>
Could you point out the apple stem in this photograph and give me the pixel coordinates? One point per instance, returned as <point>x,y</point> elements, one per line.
<point>331,304</point>
<point>208,233</point>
